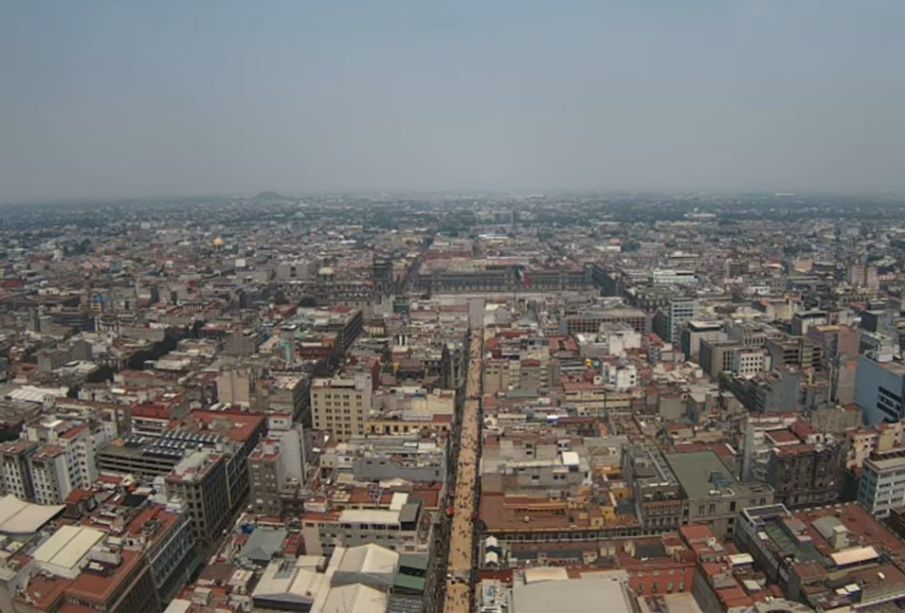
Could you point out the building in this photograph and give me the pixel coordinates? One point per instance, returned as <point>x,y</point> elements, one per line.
<point>49,474</point>
<point>718,356</point>
<point>829,558</point>
<point>882,484</point>
<point>749,362</point>
<point>166,538</point>
<point>796,351</point>
<point>803,321</point>
<point>236,385</point>
<point>713,495</point>
<point>537,519</point>
<point>880,390</point>
<point>696,332</point>
<point>81,567</point>
<point>340,406</point>
<point>589,321</point>
<point>757,443</point>
<point>530,463</point>
<point>543,589</point>
<point>671,320</point>
<point>657,495</point>
<point>403,527</point>
<point>411,458</point>
<point>15,474</point>
<point>777,391</point>
<point>277,470</point>
<point>199,481</point>
<point>804,473</point>
<point>662,276</point>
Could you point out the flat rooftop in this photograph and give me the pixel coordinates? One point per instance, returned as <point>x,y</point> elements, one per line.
<point>694,470</point>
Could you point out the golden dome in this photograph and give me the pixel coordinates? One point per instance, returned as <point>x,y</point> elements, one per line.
<point>218,243</point>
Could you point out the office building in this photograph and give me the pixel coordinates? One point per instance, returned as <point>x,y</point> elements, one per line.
<point>340,406</point>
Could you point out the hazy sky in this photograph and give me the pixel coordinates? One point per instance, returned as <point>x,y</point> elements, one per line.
<point>142,98</point>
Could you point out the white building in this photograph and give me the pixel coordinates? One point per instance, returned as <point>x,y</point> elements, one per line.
<point>749,362</point>
<point>622,376</point>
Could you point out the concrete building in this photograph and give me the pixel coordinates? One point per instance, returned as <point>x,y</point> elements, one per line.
<point>805,474</point>
<point>831,558</point>
<point>697,331</point>
<point>663,276</point>
<point>880,390</point>
<point>410,457</point>
<point>713,494</point>
<point>200,482</point>
<point>402,527</point>
<point>882,484</point>
<point>757,444</point>
<point>166,537</point>
<point>82,568</point>
<point>588,321</point>
<point>236,385</point>
<point>15,474</point>
<point>538,590</point>
<point>533,465</point>
<point>340,406</point>
<point>749,362</point>
<point>277,470</point>
<point>796,351</point>
<point>49,474</point>
<point>805,320</point>
<point>778,391</point>
<point>656,492</point>
<point>718,356</point>
<point>671,320</point>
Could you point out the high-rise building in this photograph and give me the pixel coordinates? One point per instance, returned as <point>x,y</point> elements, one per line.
<point>697,331</point>
<point>15,474</point>
<point>882,484</point>
<point>880,390</point>
<point>671,319</point>
<point>200,482</point>
<point>277,471</point>
<point>340,406</point>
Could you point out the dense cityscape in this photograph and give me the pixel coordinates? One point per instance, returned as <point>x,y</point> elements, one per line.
<point>453,402</point>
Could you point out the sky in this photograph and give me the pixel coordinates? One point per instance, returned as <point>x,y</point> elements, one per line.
<point>143,99</point>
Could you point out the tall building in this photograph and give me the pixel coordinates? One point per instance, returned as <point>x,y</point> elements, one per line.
<point>697,331</point>
<point>340,406</point>
<point>236,385</point>
<point>169,545</point>
<point>880,390</point>
<point>717,356</point>
<point>671,319</point>
<point>49,474</point>
<point>277,471</point>
<point>749,362</point>
<point>15,474</point>
<point>805,474</point>
<point>63,460</point>
<point>200,482</point>
<point>882,484</point>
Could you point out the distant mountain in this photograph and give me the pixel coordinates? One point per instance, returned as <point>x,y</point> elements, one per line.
<point>269,195</point>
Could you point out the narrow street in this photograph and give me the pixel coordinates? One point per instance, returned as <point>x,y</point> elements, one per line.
<point>461,561</point>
